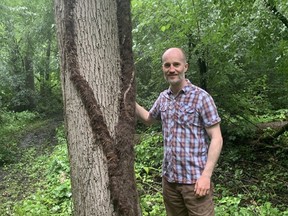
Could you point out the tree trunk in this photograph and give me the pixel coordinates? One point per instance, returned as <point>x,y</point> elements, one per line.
<point>45,89</point>
<point>99,99</point>
<point>202,64</point>
<point>203,72</point>
<point>29,77</point>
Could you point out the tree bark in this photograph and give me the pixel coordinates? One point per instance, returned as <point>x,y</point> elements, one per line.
<point>99,97</point>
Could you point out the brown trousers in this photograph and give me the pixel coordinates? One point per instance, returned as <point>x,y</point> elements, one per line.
<point>180,200</point>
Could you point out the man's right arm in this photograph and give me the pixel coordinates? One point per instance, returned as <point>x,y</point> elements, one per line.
<point>143,115</point>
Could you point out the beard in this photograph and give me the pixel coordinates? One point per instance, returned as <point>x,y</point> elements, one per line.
<point>175,80</point>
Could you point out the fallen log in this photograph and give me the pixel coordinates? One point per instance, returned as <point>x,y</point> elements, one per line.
<point>279,127</point>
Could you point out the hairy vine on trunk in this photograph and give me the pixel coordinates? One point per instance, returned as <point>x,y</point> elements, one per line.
<point>126,125</point>
<point>119,152</point>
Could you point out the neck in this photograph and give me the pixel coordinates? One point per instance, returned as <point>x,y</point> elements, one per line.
<point>177,88</point>
<point>175,91</point>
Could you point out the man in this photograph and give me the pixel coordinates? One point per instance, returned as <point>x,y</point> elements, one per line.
<point>192,139</point>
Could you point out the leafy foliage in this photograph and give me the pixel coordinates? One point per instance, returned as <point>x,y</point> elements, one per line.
<point>54,195</point>
<point>249,179</point>
<point>11,126</point>
<point>242,43</point>
<point>247,183</point>
<point>148,171</point>
<point>28,65</point>
<point>46,181</point>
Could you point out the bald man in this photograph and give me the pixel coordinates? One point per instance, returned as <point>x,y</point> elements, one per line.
<point>192,139</point>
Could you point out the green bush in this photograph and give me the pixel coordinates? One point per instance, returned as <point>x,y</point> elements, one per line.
<point>149,154</point>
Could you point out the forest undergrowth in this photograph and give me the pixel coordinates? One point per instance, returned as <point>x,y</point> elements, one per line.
<point>249,179</point>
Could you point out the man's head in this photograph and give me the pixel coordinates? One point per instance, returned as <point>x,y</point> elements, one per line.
<point>174,66</point>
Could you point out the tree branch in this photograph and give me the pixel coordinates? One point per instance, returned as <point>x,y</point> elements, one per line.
<point>275,11</point>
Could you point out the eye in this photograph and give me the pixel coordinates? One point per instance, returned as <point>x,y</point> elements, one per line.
<point>176,64</point>
<point>167,65</point>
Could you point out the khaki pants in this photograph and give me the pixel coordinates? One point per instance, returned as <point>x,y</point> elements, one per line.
<point>180,200</point>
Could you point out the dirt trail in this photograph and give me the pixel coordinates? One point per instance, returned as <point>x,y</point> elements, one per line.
<point>15,183</point>
<point>43,136</point>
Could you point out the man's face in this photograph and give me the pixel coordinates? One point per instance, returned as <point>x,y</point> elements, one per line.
<point>174,67</point>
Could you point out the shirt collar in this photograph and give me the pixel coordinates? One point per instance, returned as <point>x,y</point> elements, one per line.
<point>185,89</point>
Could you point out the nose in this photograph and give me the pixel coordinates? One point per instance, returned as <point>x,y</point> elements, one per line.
<point>171,68</point>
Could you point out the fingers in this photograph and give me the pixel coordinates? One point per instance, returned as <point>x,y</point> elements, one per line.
<point>202,188</point>
<point>202,192</point>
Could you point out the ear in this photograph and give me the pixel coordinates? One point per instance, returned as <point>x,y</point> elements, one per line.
<point>186,67</point>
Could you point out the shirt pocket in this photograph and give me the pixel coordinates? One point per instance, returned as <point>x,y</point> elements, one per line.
<point>188,116</point>
<point>164,110</point>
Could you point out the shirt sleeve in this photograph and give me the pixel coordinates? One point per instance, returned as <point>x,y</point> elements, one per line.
<point>209,111</point>
<point>155,110</point>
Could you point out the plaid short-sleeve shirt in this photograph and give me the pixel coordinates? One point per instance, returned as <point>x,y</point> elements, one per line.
<point>186,142</point>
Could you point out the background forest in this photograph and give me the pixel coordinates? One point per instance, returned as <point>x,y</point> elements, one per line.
<point>237,51</point>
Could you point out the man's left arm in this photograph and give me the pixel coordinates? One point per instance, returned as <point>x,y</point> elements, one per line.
<point>202,186</point>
